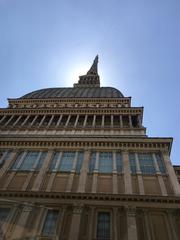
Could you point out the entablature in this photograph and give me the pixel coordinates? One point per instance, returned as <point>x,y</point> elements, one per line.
<point>117,143</point>
<point>70,102</point>
<point>132,110</point>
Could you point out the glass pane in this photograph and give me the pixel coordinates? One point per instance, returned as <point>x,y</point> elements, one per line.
<point>105,162</point>
<point>79,162</point>
<point>54,160</point>
<point>103,226</point>
<point>67,161</point>
<point>29,161</point>
<point>15,164</point>
<point>146,163</point>
<point>92,162</point>
<point>49,228</point>
<point>132,162</point>
<point>41,160</point>
<point>4,214</point>
<point>160,163</point>
<point>119,163</point>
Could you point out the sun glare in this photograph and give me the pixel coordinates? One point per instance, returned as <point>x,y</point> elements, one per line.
<point>76,71</point>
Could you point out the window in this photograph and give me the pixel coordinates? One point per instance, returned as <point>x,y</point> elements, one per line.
<point>119,164</point>
<point>105,162</point>
<point>132,161</point>
<point>67,161</point>
<point>29,161</point>
<point>92,162</point>
<point>146,163</point>
<point>49,228</point>
<point>4,212</point>
<point>4,155</point>
<point>160,163</point>
<point>63,161</point>
<point>103,226</point>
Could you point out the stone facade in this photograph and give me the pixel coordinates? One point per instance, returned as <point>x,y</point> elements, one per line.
<point>83,168</point>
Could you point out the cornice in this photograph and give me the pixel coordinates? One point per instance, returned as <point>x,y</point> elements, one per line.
<point>97,197</point>
<point>107,142</point>
<point>57,111</point>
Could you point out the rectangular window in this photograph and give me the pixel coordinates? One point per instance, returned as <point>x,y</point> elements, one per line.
<point>119,163</point>
<point>4,212</point>
<point>105,162</point>
<point>92,162</point>
<point>67,161</point>
<point>54,160</point>
<point>132,161</point>
<point>30,160</point>
<point>103,226</point>
<point>49,228</point>
<point>4,155</point>
<point>160,163</point>
<point>146,163</point>
<point>79,161</point>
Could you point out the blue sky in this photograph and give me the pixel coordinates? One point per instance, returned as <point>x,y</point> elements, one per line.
<point>45,43</point>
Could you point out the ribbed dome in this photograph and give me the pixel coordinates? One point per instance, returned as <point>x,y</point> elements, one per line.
<point>79,92</point>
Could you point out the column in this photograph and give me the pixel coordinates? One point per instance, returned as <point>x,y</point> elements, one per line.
<point>139,176</point>
<point>38,220</point>
<point>127,173</point>
<point>84,172</point>
<point>91,222</point>
<point>95,174</point>
<point>130,121</point>
<point>112,122</point>
<point>102,124</point>
<point>159,176</point>
<point>85,120</point>
<point>42,120</point>
<point>22,221</point>
<point>67,122</point>
<point>42,172</point>
<point>115,226</point>
<point>171,173</point>
<point>50,120</point>
<point>33,121</point>
<point>17,120</point>
<point>77,118</point>
<point>53,173</point>
<point>94,121</point>
<point>115,180</point>
<point>25,121</point>
<point>170,223</point>
<point>139,121</point>
<point>2,119</point>
<point>71,176</point>
<point>9,120</point>
<point>75,223</point>
<point>131,223</point>
<point>121,122</point>
<point>59,120</point>
<point>148,225</point>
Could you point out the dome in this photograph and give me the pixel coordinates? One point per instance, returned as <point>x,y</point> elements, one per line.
<point>77,92</point>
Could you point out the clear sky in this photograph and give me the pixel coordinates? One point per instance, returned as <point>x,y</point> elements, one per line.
<point>49,43</point>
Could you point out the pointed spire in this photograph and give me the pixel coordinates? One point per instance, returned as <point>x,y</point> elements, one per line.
<point>91,79</point>
<point>94,68</point>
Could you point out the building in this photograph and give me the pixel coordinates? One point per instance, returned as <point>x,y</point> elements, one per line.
<point>76,164</point>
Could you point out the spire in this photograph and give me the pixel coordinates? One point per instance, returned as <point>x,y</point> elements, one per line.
<point>91,79</point>
<point>94,68</point>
